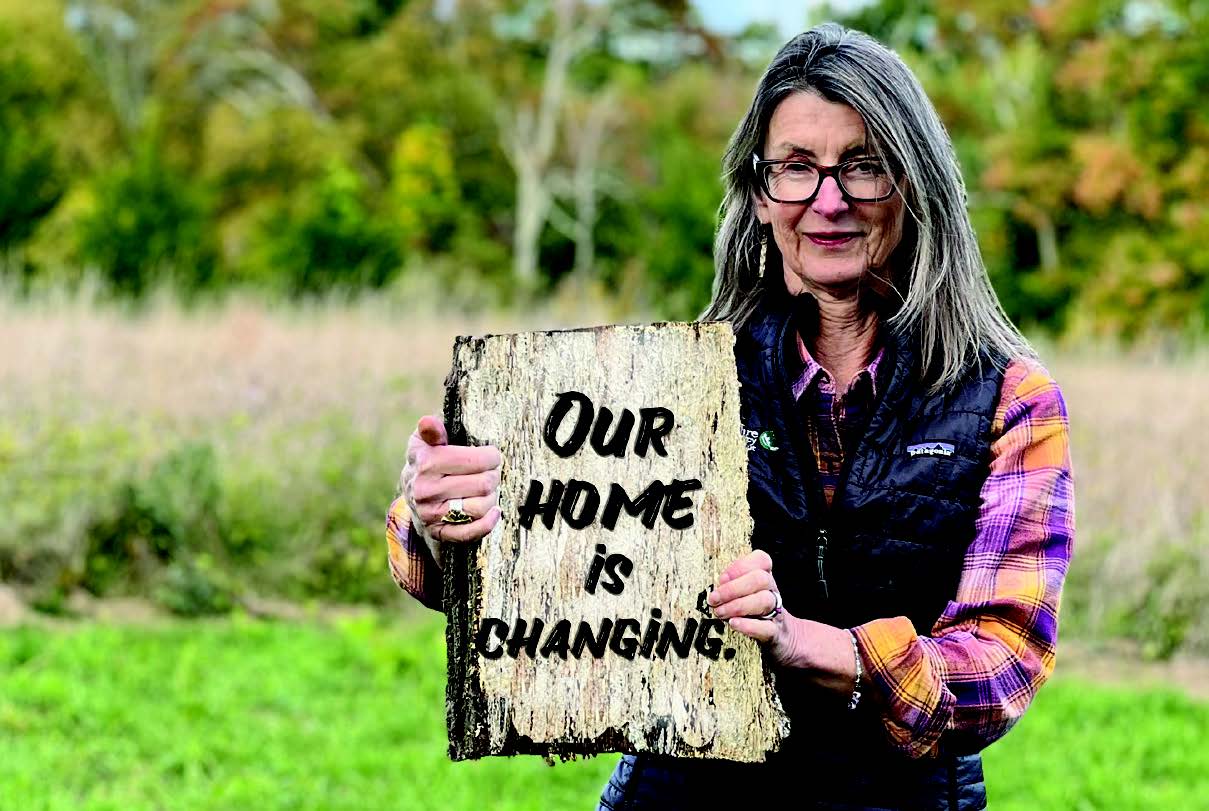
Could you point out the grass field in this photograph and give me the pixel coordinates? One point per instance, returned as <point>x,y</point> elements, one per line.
<point>349,716</point>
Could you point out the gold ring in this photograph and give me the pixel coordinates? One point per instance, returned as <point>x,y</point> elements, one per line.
<point>455,514</point>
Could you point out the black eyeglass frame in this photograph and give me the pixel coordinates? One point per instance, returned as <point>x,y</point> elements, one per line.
<point>758,164</point>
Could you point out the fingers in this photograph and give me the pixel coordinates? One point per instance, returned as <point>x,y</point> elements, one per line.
<point>757,559</point>
<point>432,431</point>
<point>442,488</point>
<point>751,605</point>
<point>759,630</point>
<point>456,460</point>
<point>754,582</point>
<point>473,531</point>
<point>431,512</point>
<point>437,472</point>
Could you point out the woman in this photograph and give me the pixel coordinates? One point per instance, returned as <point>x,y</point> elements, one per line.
<point>914,518</point>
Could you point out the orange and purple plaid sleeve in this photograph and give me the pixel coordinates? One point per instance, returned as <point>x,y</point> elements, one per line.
<point>411,564</point>
<point>966,683</point>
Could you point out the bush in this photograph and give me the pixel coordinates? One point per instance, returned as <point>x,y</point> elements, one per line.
<point>199,522</point>
<point>195,588</point>
<point>325,238</point>
<point>57,481</point>
<point>30,181</point>
<point>1163,617</point>
<point>148,223</point>
<point>165,517</point>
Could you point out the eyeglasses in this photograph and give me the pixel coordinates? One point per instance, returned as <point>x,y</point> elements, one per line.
<point>794,180</point>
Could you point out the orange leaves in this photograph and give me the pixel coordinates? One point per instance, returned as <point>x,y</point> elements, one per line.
<point>1110,173</point>
<point>1088,68</point>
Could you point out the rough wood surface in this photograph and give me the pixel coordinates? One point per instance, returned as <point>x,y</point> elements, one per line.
<point>500,391</point>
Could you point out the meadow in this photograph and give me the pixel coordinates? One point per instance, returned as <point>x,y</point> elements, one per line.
<point>227,454</point>
<point>236,460</point>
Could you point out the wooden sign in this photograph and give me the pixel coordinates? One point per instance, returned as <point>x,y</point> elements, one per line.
<point>579,625</point>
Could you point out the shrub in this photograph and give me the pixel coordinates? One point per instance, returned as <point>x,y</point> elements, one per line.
<point>148,223</point>
<point>326,238</point>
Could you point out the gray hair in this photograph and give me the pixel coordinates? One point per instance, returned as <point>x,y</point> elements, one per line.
<point>948,303</point>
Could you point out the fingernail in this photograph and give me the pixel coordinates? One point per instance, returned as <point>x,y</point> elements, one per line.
<point>712,599</point>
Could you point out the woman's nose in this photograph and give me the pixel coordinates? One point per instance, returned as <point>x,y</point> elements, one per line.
<point>829,202</point>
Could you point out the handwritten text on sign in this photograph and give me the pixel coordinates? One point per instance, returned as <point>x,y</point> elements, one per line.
<point>577,503</point>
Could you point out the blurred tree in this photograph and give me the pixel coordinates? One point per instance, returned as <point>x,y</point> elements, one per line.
<point>31,178</point>
<point>367,80</point>
<point>424,190</point>
<point>587,126</point>
<point>569,53</point>
<point>529,128</point>
<point>119,42</point>
<point>42,101</point>
<point>229,56</point>
<point>148,222</point>
<point>327,239</point>
<point>163,65</point>
<point>683,126</point>
<point>581,135</point>
<point>215,50</point>
<point>253,166</point>
<point>1084,145</point>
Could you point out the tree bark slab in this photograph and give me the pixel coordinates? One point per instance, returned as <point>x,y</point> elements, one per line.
<point>670,698</point>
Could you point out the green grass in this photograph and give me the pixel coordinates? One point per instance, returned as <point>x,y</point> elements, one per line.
<point>247,715</point>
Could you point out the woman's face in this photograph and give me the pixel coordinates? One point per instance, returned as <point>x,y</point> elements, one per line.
<point>830,242</point>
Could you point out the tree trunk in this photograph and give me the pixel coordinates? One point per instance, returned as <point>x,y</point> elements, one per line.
<point>528,136</point>
<point>532,203</point>
<point>586,186</point>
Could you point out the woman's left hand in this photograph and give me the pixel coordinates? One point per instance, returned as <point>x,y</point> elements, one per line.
<point>747,590</point>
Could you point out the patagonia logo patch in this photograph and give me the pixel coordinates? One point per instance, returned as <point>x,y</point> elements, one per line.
<point>930,449</point>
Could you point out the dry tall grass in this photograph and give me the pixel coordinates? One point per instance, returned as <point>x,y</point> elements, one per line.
<point>1140,447</point>
<point>244,359</point>
<point>1140,437</point>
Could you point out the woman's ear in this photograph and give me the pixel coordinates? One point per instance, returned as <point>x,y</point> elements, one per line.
<point>762,208</point>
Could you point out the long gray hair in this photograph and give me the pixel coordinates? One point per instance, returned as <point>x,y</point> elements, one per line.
<point>940,288</point>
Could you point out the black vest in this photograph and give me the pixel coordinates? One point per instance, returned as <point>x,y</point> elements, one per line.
<point>892,544</point>
<point>895,537</point>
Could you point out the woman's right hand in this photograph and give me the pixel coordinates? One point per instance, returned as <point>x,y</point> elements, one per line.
<point>437,472</point>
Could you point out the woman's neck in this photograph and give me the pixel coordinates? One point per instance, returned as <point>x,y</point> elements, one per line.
<point>845,337</point>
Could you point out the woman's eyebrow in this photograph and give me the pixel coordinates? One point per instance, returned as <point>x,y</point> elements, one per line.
<point>796,149</point>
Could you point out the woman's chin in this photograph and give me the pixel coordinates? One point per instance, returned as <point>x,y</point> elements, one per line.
<point>834,275</point>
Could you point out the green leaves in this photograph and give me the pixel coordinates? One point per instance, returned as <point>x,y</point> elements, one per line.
<point>149,223</point>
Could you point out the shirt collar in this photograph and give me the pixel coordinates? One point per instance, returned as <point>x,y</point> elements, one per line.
<point>813,369</point>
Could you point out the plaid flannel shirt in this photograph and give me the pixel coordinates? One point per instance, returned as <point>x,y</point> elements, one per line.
<point>975,671</point>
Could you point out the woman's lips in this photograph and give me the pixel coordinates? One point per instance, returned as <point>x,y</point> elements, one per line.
<point>832,239</point>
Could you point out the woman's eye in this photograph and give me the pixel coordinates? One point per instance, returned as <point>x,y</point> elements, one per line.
<point>866,168</point>
<point>798,167</point>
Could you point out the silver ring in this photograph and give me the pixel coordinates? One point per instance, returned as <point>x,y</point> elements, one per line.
<point>776,609</point>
